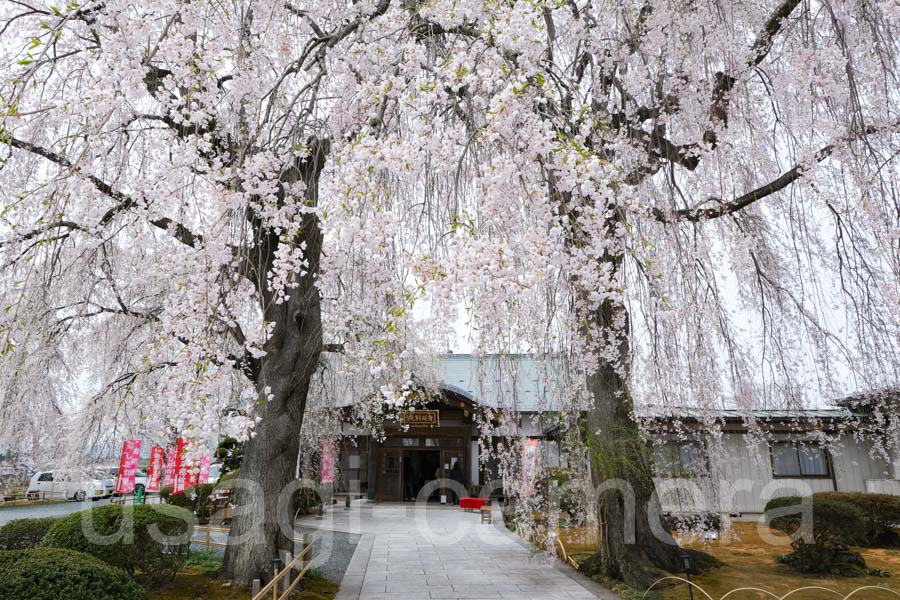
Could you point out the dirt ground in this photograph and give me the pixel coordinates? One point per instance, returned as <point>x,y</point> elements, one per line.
<point>750,563</point>
<point>194,584</point>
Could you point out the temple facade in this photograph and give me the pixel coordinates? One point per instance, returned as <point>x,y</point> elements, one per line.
<point>726,471</point>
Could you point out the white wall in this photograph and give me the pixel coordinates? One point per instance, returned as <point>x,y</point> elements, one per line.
<point>854,464</point>
<point>741,478</point>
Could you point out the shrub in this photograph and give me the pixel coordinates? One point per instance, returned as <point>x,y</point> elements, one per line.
<point>693,522</point>
<point>509,517</point>
<point>206,560</point>
<point>880,511</point>
<point>230,453</point>
<point>305,500</point>
<point>139,549</point>
<point>230,475</point>
<point>573,498</point>
<point>835,525</point>
<point>201,495</point>
<point>53,573</point>
<point>197,499</point>
<point>24,533</point>
<point>181,500</point>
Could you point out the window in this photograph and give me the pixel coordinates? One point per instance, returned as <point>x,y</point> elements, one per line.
<point>799,461</point>
<point>46,477</point>
<point>684,459</point>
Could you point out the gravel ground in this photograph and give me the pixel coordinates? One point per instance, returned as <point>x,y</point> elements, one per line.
<point>332,551</point>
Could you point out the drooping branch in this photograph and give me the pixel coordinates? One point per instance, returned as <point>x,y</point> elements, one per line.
<point>741,202</point>
<point>688,156</point>
<point>177,230</point>
<point>724,83</point>
<point>724,208</point>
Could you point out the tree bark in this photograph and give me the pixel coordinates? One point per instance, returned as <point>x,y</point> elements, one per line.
<point>635,547</point>
<point>263,523</point>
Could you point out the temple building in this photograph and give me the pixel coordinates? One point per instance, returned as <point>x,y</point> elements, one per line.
<point>697,470</point>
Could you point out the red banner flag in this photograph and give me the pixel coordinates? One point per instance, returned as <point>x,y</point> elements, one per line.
<point>327,475</point>
<point>203,476</point>
<point>154,473</point>
<point>182,469</point>
<point>169,479</point>
<point>128,464</point>
<point>193,474</point>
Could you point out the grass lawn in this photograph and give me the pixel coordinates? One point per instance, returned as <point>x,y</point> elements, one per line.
<point>197,582</point>
<point>750,562</point>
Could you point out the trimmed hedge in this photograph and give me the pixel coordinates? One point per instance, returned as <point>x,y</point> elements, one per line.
<point>880,511</point>
<point>22,534</point>
<point>228,476</point>
<point>166,495</point>
<point>195,499</point>
<point>54,573</point>
<point>140,549</point>
<point>835,526</point>
<point>701,521</point>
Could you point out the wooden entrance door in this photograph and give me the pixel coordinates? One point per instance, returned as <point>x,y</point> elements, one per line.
<point>451,458</point>
<point>390,461</point>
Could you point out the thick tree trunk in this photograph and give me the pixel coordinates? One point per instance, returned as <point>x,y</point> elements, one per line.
<point>263,522</point>
<point>635,547</point>
<point>258,532</point>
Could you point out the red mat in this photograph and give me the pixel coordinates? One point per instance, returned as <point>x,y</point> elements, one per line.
<point>472,503</point>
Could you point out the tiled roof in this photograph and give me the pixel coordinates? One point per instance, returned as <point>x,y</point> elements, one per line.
<point>524,383</point>
<point>761,414</point>
<point>517,381</point>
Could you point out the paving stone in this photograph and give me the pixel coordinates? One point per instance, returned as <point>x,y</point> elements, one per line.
<point>442,553</point>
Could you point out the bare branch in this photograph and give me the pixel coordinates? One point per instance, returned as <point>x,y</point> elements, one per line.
<point>745,200</point>
<point>177,230</point>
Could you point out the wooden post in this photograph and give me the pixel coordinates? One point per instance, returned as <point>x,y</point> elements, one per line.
<point>275,584</point>
<point>207,538</point>
<point>286,557</point>
<point>307,542</point>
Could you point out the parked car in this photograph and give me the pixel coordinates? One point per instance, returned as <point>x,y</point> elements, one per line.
<point>215,471</point>
<point>70,485</point>
<point>140,481</point>
<point>140,478</point>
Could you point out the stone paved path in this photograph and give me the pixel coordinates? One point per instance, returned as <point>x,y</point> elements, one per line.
<point>442,552</point>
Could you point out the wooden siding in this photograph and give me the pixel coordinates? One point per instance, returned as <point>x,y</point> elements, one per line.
<point>741,478</point>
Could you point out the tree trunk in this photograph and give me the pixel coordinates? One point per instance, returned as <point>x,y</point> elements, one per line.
<point>635,547</point>
<point>263,522</point>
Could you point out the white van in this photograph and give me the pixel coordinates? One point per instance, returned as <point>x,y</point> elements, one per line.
<point>69,485</point>
<point>140,478</point>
